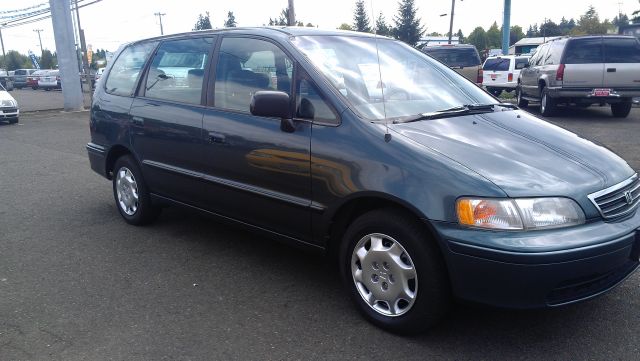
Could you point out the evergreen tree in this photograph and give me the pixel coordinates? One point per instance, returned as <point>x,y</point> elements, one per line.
<point>460,36</point>
<point>515,34</point>
<point>345,26</point>
<point>204,22</point>
<point>360,18</point>
<point>478,38</point>
<point>550,29</point>
<point>620,20</point>
<point>309,25</point>
<point>589,24</point>
<point>407,25</point>
<point>231,20</point>
<point>47,60</point>
<point>636,16</point>
<point>494,36</point>
<point>382,28</point>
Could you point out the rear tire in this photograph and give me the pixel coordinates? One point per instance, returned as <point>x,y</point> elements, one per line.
<point>621,110</point>
<point>34,87</point>
<point>547,104</point>
<point>522,103</point>
<point>401,285</point>
<point>13,121</point>
<point>131,194</point>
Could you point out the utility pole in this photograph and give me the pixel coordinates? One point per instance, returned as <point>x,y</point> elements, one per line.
<point>160,15</point>
<point>506,27</point>
<point>292,14</point>
<point>453,8</point>
<point>39,39</point>
<point>83,45</point>
<point>2,42</point>
<point>67,56</point>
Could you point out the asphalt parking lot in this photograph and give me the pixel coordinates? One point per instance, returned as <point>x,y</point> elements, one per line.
<point>77,283</point>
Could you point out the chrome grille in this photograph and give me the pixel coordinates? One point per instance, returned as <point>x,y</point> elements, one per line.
<point>619,200</point>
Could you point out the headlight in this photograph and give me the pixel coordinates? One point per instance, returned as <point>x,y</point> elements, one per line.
<point>8,103</point>
<point>519,214</point>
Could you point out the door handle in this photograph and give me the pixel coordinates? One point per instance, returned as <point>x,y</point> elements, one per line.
<point>137,120</point>
<point>215,137</point>
<point>611,70</point>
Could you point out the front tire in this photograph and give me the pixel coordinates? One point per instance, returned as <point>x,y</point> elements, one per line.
<point>522,103</point>
<point>394,272</point>
<point>13,121</point>
<point>621,110</point>
<point>131,194</point>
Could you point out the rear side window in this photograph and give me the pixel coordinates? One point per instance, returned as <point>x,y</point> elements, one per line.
<point>177,70</point>
<point>20,72</point>
<point>246,66</point>
<point>498,64</point>
<point>583,51</point>
<point>621,50</point>
<point>124,73</point>
<point>455,57</point>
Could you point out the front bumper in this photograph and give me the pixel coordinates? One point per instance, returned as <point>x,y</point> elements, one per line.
<point>587,93</point>
<point>9,113</point>
<point>541,268</point>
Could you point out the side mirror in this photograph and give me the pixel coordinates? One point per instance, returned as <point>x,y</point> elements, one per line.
<point>267,103</point>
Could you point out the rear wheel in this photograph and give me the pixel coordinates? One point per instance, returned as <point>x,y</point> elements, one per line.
<point>131,194</point>
<point>394,272</point>
<point>621,110</point>
<point>495,92</point>
<point>522,103</point>
<point>547,104</point>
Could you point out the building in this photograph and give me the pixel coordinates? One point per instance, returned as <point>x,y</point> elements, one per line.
<point>631,29</point>
<point>528,45</point>
<point>437,40</point>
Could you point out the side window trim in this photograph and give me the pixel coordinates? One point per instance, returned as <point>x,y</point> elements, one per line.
<point>210,103</point>
<point>140,93</point>
<point>303,75</point>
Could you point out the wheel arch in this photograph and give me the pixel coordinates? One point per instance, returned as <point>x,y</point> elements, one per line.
<point>116,151</point>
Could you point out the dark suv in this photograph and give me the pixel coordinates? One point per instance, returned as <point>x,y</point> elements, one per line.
<point>417,181</point>
<point>583,71</point>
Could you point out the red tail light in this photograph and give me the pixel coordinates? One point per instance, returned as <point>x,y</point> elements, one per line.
<point>480,77</point>
<point>560,73</point>
<point>510,77</point>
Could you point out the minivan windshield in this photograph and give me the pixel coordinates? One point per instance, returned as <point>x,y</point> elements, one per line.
<point>405,82</point>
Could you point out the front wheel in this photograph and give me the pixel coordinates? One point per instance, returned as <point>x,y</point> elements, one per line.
<point>394,272</point>
<point>13,121</point>
<point>621,110</point>
<point>131,194</point>
<point>522,103</point>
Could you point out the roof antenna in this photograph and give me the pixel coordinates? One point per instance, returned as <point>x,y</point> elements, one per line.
<point>387,135</point>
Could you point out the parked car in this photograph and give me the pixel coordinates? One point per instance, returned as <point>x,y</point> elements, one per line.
<point>500,73</point>
<point>97,77</point>
<point>32,80</point>
<point>8,107</point>
<point>439,192</point>
<point>49,80</point>
<point>20,77</point>
<point>584,71</point>
<point>5,80</point>
<point>463,58</point>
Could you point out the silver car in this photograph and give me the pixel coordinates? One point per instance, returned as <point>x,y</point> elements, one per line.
<point>583,71</point>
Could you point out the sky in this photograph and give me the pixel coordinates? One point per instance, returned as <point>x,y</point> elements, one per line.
<point>109,23</point>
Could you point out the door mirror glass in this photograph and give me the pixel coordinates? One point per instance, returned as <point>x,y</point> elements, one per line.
<point>268,103</point>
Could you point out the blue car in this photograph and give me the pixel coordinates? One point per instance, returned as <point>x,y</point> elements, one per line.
<point>422,186</point>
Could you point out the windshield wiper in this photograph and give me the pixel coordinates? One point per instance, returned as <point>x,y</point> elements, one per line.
<point>455,111</point>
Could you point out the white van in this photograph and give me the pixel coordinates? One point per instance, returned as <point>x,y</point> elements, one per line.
<point>501,72</point>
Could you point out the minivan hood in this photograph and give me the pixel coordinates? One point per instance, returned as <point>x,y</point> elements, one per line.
<point>4,95</point>
<point>523,155</point>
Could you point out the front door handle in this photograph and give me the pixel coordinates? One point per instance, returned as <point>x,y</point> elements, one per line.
<point>215,137</point>
<point>611,70</point>
<point>137,120</point>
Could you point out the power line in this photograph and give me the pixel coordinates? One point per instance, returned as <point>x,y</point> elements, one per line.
<point>160,15</point>
<point>45,14</point>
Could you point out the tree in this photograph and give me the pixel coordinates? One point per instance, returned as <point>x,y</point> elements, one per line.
<point>566,26</point>
<point>460,36</point>
<point>515,34</point>
<point>14,60</point>
<point>345,26</point>
<point>360,18</point>
<point>382,28</point>
<point>48,60</point>
<point>620,20</point>
<point>407,25</point>
<point>533,31</point>
<point>636,16</point>
<point>478,38</point>
<point>309,25</point>
<point>550,29</point>
<point>494,36</point>
<point>204,22</point>
<point>231,20</point>
<point>283,19</point>
<point>589,24</point>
